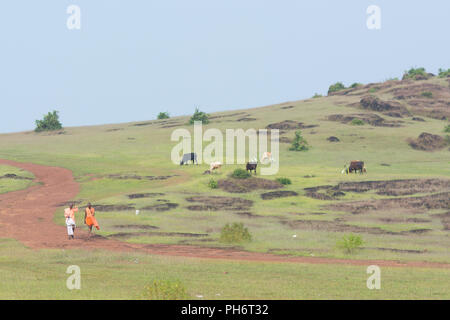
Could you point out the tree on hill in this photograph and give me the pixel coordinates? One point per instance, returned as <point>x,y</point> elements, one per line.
<point>299,143</point>
<point>336,87</point>
<point>444,73</point>
<point>199,116</point>
<point>416,74</point>
<point>50,122</point>
<point>163,115</point>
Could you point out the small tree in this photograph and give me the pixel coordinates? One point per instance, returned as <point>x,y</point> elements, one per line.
<point>299,143</point>
<point>415,74</point>
<point>336,87</point>
<point>444,73</point>
<point>447,128</point>
<point>350,243</point>
<point>163,115</point>
<point>199,116</point>
<point>49,123</point>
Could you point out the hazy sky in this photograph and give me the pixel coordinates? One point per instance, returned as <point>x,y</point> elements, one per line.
<point>134,58</point>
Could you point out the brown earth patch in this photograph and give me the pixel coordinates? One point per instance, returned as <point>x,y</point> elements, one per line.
<point>410,204</point>
<point>391,108</point>
<point>161,207</point>
<point>287,107</point>
<point>228,115</point>
<point>246,119</point>
<point>370,118</point>
<point>332,226</point>
<point>14,177</point>
<point>247,214</point>
<point>290,125</point>
<point>134,226</point>
<point>418,119</point>
<point>247,185</point>
<point>278,194</point>
<point>144,195</point>
<point>219,203</point>
<point>111,207</point>
<point>333,139</point>
<point>428,142</point>
<point>402,220</point>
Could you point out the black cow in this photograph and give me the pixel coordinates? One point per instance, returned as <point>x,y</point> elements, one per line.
<point>189,157</point>
<point>356,166</point>
<point>251,167</point>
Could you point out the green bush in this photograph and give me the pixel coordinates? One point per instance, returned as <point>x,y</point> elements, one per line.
<point>447,128</point>
<point>336,87</point>
<point>355,85</point>
<point>212,184</point>
<point>235,233</point>
<point>415,74</point>
<point>427,94</point>
<point>299,143</point>
<point>165,290</point>
<point>373,90</point>
<point>199,116</point>
<point>163,115</point>
<point>49,123</point>
<point>350,243</point>
<point>444,73</point>
<point>241,174</point>
<point>284,181</point>
<point>317,95</point>
<point>357,122</point>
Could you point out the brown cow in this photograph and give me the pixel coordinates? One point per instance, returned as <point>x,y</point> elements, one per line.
<point>356,165</point>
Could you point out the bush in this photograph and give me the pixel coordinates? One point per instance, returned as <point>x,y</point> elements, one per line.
<point>336,87</point>
<point>415,74</point>
<point>317,95</point>
<point>355,85</point>
<point>427,94</point>
<point>49,123</point>
<point>299,143</point>
<point>444,73</point>
<point>357,122</point>
<point>165,290</point>
<point>350,243</point>
<point>199,116</point>
<point>163,115</point>
<point>447,128</point>
<point>235,233</point>
<point>373,90</point>
<point>284,181</point>
<point>212,184</point>
<point>241,174</point>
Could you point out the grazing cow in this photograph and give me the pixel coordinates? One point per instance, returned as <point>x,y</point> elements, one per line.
<point>251,167</point>
<point>214,166</point>
<point>189,157</point>
<point>266,155</point>
<point>355,166</point>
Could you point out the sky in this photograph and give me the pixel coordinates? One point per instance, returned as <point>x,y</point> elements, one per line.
<point>131,59</point>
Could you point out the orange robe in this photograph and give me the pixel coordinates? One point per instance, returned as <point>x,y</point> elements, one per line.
<point>90,218</point>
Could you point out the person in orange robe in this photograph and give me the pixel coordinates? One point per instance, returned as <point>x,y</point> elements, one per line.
<point>69,214</point>
<point>89,218</point>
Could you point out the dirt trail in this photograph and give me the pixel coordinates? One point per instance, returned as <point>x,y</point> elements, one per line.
<point>27,216</point>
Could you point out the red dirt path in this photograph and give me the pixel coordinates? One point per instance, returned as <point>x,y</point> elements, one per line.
<point>27,216</point>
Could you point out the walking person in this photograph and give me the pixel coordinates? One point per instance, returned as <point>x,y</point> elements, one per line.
<point>89,218</point>
<point>69,214</point>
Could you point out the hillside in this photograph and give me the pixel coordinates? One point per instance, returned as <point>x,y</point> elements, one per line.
<point>403,215</point>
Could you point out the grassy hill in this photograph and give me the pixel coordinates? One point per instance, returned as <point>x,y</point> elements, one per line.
<point>405,216</point>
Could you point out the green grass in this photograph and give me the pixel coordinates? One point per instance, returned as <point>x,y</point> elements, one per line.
<point>8,184</point>
<point>28,274</point>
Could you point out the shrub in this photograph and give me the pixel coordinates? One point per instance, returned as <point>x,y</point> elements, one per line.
<point>199,116</point>
<point>447,128</point>
<point>350,243</point>
<point>299,143</point>
<point>373,90</point>
<point>235,233</point>
<point>212,184</point>
<point>415,74</point>
<point>444,73</point>
<point>355,85</point>
<point>241,174</point>
<point>284,181</point>
<point>165,290</point>
<point>357,122</point>
<point>317,95</point>
<point>427,94</point>
<point>163,115</point>
<point>336,87</point>
<point>49,123</point>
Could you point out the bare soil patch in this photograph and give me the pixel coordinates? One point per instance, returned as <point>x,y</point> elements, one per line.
<point>428,142</point>
<point>161,207</point>
<point>391,108</point>
<point>111,207</point>
<point>333,139</point>
<point>134,226</point>
<point>332,226</point>
<point>14,177</point>
<point>369,118</point>
<point>290,125</point>
<point>219,203</point>
<point>278,194</point>
<point>246,119</point>
<point>247,185</point>
<point>144,195</point>
<point>247,214</point>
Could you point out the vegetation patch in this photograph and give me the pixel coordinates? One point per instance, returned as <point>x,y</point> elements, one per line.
<point>165,290</point>
<point>144,195</point>
<point>428,142</point>
<point>278,194</point>
<point>235,233</point>
<point>161,207</point>
<point>247,185</point>
<point>350,243</point>
<point>219,203</point>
